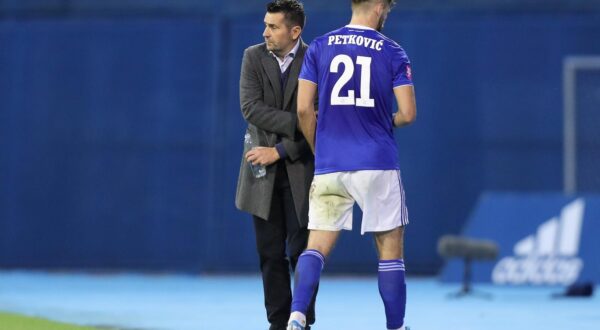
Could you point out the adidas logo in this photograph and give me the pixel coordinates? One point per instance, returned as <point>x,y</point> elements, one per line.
<point>550,255</point>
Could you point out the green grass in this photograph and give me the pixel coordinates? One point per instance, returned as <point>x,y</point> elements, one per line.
<point>9,321</point>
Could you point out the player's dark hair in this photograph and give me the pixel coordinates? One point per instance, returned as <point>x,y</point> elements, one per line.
<point>390,3</point>
<point>293,11</point>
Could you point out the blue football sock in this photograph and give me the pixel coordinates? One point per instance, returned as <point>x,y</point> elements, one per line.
<point>308,271</point>
<point>392,288</point>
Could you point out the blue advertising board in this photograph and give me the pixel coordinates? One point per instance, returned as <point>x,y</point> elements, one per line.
<point>543,239</point>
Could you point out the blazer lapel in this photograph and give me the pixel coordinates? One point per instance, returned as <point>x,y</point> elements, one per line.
<point>292,82</point>
<point>274,74</point>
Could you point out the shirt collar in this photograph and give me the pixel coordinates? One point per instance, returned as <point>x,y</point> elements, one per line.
<point>356,26</point>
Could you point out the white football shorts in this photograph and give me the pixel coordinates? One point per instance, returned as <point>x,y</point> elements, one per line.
<point>379,194</point>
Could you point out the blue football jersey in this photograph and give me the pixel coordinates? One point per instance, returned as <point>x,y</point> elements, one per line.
<point>356,69</point>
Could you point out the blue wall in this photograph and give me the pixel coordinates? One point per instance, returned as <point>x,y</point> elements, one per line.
<point>121,138</point>
<point>191,7</point>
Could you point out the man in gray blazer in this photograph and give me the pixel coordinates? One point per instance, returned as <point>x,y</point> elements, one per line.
<point>277,201</point>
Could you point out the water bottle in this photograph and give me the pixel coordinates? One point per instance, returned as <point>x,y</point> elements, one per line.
<point>257,170</point>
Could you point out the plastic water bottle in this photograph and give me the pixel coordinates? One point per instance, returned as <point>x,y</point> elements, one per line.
<point>257,170</point>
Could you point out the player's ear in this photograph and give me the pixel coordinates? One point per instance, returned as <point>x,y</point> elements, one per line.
<point>379,8</point>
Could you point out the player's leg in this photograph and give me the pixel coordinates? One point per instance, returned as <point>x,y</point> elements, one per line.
<point>391,276</point>
<point>308,273</point>
<point>322,241</point>
<point>296,244</point>
<point>381,197</point>
<point>390,244</point>
<point>330,211</point>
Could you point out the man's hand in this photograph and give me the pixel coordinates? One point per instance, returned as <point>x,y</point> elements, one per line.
<point>262,156</point>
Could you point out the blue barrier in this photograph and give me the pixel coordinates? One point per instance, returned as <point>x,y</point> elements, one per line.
<point>121,138</point>
<point>544,239</point>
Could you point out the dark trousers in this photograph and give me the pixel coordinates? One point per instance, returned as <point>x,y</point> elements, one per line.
<point>276,257</point>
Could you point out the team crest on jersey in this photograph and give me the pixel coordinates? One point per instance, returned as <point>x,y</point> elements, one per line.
<point>408,72</point>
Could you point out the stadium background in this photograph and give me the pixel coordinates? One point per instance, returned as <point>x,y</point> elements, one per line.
<point>121,135</point>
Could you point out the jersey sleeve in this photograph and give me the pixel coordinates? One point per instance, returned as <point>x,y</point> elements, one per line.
<point>309,66</point>
<point>400,66</point>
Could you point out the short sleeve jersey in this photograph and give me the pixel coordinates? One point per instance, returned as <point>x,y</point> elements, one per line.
<point>355,69</point>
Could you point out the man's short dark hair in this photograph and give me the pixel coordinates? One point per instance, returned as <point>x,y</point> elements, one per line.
<point>390,3</point>
<point>293,11</point>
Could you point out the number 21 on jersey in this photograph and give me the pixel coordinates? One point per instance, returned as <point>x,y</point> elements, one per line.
<point>365,81</point>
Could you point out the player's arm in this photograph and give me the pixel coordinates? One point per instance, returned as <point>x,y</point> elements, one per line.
<point>254,110</point>
<point>307,92</point>
<point>407,106</point>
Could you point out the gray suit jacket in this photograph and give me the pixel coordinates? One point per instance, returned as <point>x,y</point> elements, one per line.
<point>271,113</point>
